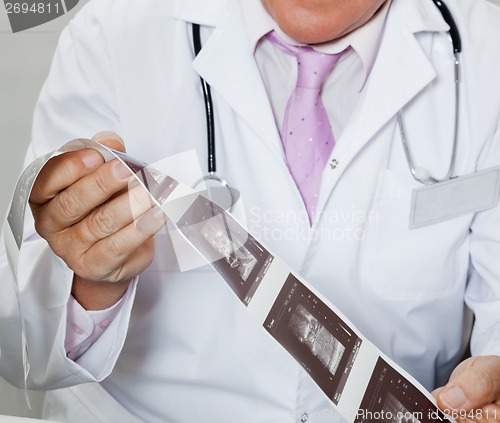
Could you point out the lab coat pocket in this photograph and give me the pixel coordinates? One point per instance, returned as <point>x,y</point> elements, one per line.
<point>402,264</point>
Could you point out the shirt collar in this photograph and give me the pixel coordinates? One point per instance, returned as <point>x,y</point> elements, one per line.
<point>365,41</point>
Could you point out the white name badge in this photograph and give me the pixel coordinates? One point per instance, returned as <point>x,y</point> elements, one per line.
<point>456,197</point>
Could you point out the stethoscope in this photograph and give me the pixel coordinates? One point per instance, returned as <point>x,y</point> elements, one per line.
<point>215,188</point>
<point>421,174</point>
<point>220,188</point>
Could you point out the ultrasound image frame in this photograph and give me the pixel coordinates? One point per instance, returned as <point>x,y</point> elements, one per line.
<point>197,224</point>
<point>293,295</point>
<point>385,381</point>
<point>159,185</point>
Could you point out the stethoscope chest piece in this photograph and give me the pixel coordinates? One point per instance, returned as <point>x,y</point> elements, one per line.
<point>218,191</point>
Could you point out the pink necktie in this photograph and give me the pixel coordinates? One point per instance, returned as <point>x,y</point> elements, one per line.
<point>307,134</point>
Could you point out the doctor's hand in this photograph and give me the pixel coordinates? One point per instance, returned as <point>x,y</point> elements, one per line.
<point>96,221</point>
<point>473,391</point>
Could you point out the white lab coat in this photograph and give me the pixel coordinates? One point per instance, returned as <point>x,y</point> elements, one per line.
<point>191,352</point>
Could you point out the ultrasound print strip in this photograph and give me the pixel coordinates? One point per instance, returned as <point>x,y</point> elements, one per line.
<point>159,185</point>
<point>391,398</point>
<point>22,191</point>
<point>324,345</point>
<point>314,335</point>
<point>237,256</point>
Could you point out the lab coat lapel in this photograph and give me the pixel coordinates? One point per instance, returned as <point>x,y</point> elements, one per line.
<point>227,63</point>
<point>399,73</point>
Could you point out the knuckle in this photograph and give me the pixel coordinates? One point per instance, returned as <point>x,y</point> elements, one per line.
<point>486,384</point>
<point>41,227</point>
<point>117,274</point>
<point>101,183</point>
<point>80,269</point>
<point>37,192</point>
<point>89,268</point>
<point>63,246</point>
<point>68,204</point>
<point>58,246</point>
<point>117,246</point>
<point>103,221</point>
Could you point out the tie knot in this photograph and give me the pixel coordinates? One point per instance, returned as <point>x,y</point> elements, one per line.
<point>313,66</point>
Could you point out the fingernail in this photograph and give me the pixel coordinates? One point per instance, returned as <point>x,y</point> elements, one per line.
<point>107,135</point>
<point>453,397</point>
<point>91,159</point>
<point>120,170</point>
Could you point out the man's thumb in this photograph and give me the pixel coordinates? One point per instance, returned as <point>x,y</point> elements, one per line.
<point>110,139</point>
<point>474,384</point>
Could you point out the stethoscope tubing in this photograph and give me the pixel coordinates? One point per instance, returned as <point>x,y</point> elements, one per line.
<point>420,174</point>
<point>209,107</point>
<point>232,194</point>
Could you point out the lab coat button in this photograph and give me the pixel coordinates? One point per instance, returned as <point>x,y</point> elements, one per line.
<point>304,417</point>
<point>334,164</point>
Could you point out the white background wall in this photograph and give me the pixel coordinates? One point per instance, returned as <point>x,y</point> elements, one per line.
<point>24,62</point>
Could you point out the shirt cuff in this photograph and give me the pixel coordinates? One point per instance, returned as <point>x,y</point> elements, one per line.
<point>84,327</point>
